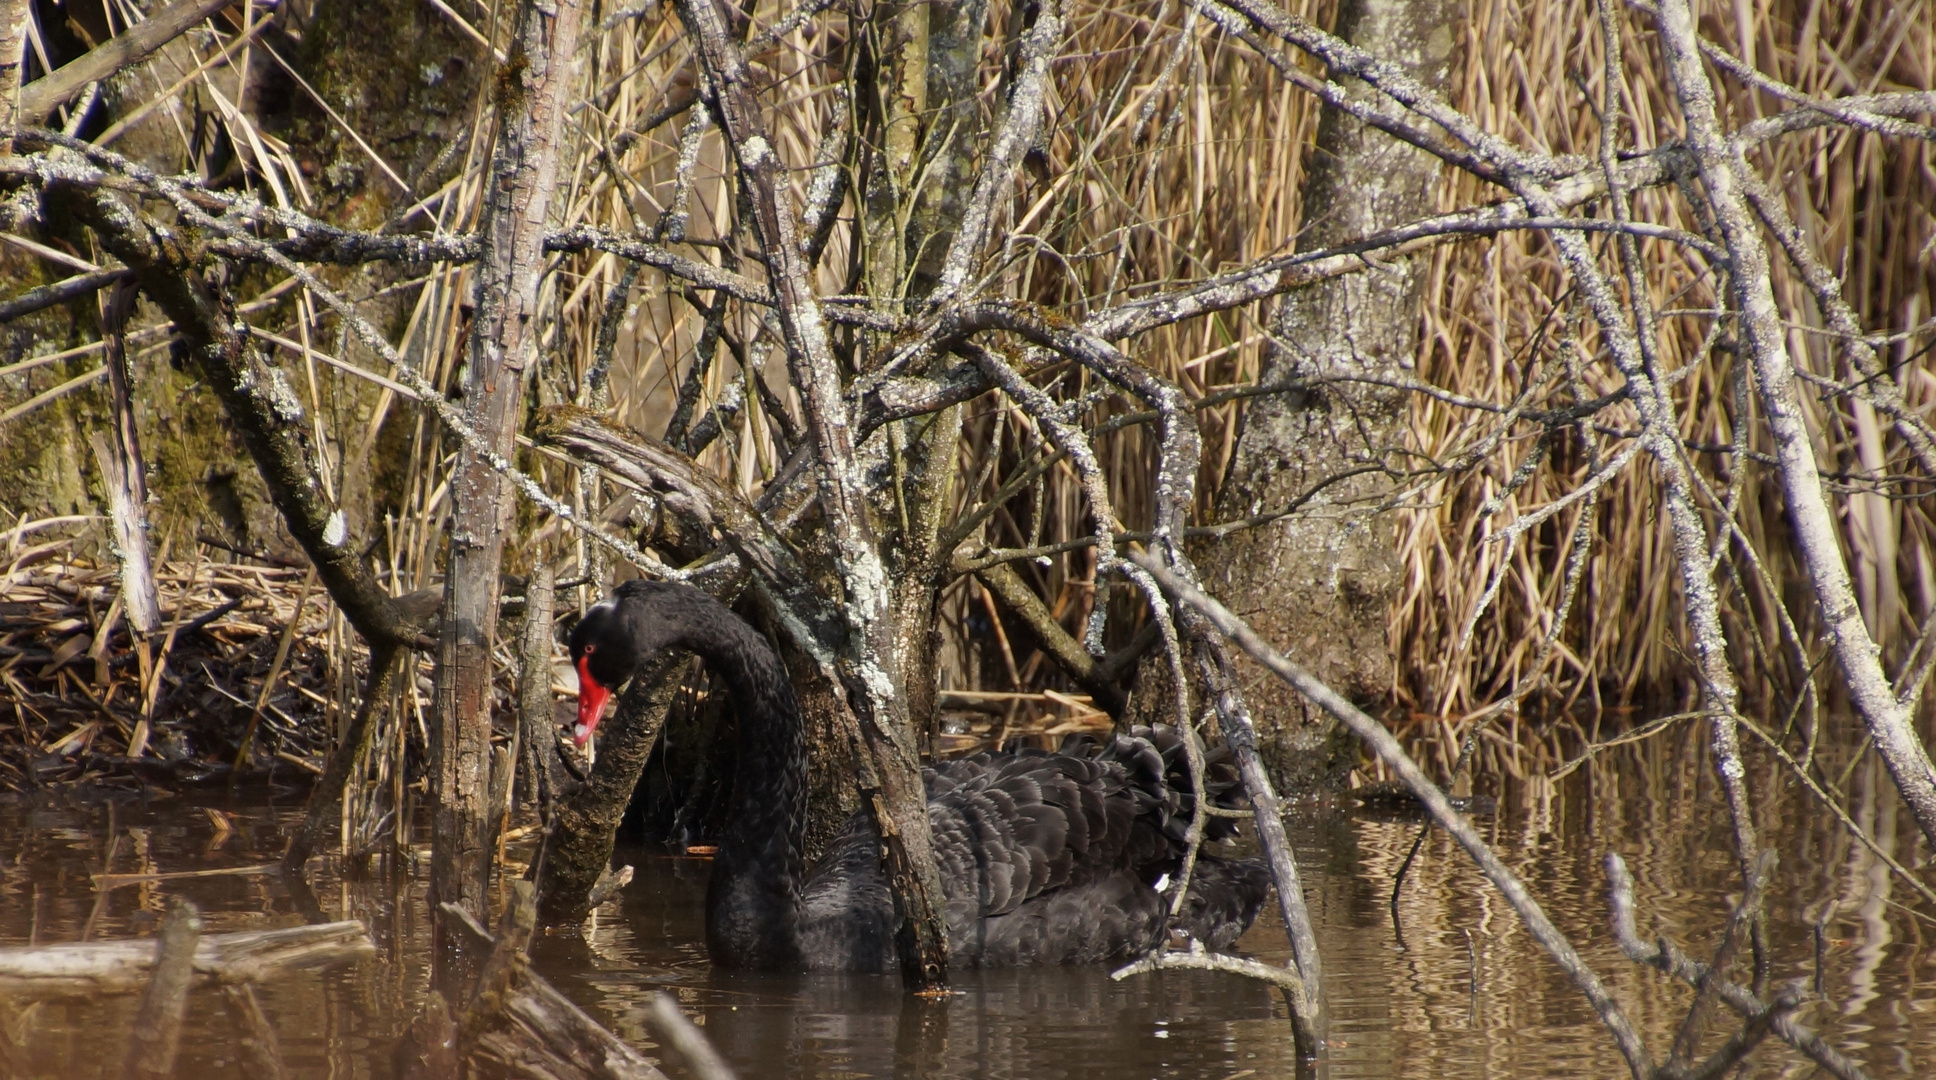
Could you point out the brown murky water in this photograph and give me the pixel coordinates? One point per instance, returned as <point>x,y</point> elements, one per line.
<point>1465,994</point>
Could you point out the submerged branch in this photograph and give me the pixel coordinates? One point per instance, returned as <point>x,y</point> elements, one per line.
<point>1386,747</point>
<point>1200,959</point>
<point>120,967</point>
<point>1664,956</point>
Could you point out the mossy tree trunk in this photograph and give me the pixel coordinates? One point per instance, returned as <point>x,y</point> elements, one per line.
<point>1322,580</point>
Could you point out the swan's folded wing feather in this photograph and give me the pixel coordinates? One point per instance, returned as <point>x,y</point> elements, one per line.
<point>1225,895</point>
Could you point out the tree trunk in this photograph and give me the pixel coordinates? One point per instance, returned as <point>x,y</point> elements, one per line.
<point>951,35</point>
<point>503,343</point>
<point>578,849</point>
<point>1322,580</point>
<point>869,670</point>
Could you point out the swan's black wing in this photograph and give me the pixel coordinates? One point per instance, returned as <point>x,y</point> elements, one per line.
<point>1011,827</point>
<point>1225,895</point>
<point>1035,851</point>
<point>1044,858</point>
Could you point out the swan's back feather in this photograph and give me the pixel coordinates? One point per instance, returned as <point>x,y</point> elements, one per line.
<point>1044,858</point>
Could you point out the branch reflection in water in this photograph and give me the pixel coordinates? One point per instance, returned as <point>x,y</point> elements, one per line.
<point>1468,995</point>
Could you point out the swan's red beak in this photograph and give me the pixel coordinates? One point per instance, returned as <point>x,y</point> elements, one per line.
<point>592,697</point>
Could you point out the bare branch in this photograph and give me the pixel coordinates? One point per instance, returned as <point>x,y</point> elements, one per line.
<point>1200,959</point>
<point>1381,743</point>
<point>258,401</point>
<point>1026,100</point>
<point>1762,336</point>
<point>60,292</point>
<point>43,96</point>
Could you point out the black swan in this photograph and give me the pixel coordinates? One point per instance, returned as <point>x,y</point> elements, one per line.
<point>1045,858</point>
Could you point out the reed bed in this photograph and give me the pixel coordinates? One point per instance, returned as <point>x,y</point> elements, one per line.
<point>1173,151</point>
<point>1499,312</point>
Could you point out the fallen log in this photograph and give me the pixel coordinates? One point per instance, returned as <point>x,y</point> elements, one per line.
<point>121,967</point>
<point>520,1026</point>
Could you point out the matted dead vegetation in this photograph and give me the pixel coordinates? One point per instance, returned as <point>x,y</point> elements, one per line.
<point>245,684</point>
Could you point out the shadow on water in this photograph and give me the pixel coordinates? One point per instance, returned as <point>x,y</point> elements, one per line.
<point>1467,995</point>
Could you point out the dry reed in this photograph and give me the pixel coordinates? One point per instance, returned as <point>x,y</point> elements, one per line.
<point>1171,152</point>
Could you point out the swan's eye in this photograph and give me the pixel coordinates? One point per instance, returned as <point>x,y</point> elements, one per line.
<point>589,649</point>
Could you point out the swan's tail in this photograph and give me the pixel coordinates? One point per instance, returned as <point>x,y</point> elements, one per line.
<point>1225,895</point>
<point>1157,766</point>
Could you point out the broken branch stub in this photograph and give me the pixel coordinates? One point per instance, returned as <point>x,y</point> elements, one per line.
<point>157,1026</point>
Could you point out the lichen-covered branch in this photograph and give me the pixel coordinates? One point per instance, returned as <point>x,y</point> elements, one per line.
<point>1386,747</point>
<point>1026,100</point>
<point>868,666</point>
<point>1764,337</point>
<point>533,90</point>
<point>258,400</point>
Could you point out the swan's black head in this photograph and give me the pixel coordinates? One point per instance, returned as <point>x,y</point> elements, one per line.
<point>616,635</point>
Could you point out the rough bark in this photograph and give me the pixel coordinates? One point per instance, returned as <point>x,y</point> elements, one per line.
<point>946,38</point>
<point>899,34</point>
<point>869,671</point>
<point>578,849</point>
<point>13,45</point>
<point>503,344</point>
<point>541,771</point>
<point>954,59</point>
<point>1322,580</point>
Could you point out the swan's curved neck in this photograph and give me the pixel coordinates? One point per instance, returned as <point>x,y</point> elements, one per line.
<point>752,904</point>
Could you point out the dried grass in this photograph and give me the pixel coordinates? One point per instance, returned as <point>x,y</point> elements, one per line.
<point>1171,152</point>
<point>1868,205</point>
<point>83,702</point>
